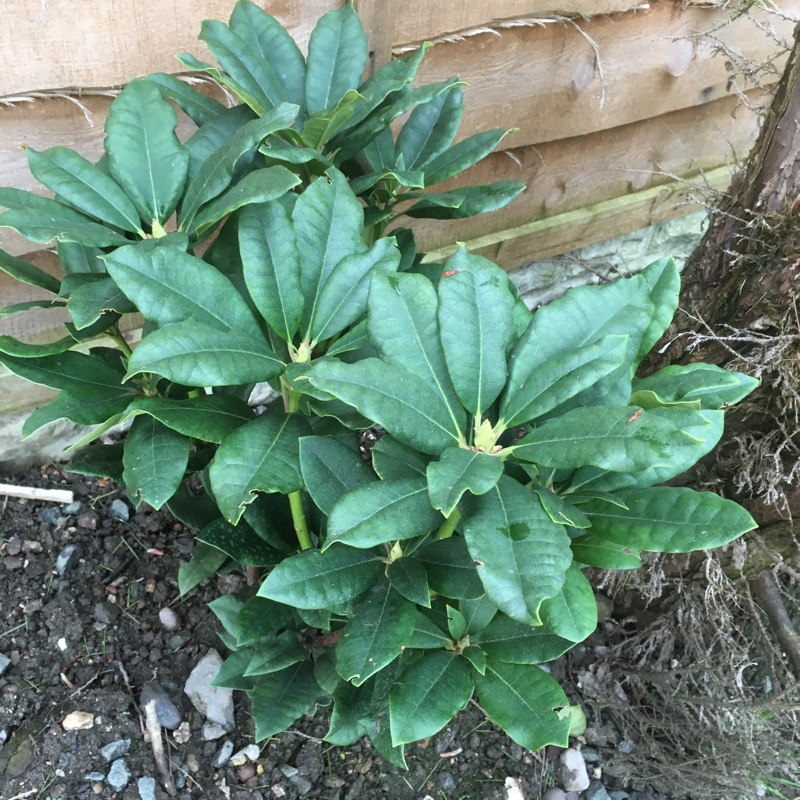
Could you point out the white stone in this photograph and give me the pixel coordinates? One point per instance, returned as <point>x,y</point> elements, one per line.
<point>215,704</point>
<point>249,753</point>
<point>78,721</point>
<point>513,789</point>
<point>571,771</point>
<point>62,644</point>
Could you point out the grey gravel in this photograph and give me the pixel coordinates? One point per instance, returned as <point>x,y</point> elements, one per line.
<point>147,788</point>
<point>167,712</point>
<point>212,731</point>
<point>106,613</point>
<point>120,510</point>
<point>67,558</point>
<point>626,745</point>
<point>114,750</point>
<point>223,756</point>
<point>95,777</point>
<point>571,771</point>
<point>446,781</point>
<point>119,775</point>
<point>50,515</point>
<point>298,781</point>
<point>179,775</point>
<point>619,795</point>
<point>5,663</point>
<point>590,755</point>
<point>73,508</point>
<point>554,794</point>
<point>214,703</point>
<point>597,791</point>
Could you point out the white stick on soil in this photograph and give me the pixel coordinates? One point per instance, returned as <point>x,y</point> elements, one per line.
<point>32,493</point>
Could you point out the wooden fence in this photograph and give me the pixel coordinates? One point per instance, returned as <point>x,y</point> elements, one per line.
<point>621,106</point>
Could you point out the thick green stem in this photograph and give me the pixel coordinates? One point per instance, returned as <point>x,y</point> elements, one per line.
<point>299,519</point>
<point>449,525</point>
<point>121,343</point>
<point>293,405</point>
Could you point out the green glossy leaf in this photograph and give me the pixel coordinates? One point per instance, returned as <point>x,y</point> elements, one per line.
<point>428,695</point>
<point>524,701</point>
<point>430,129</point>
<point>463,155</point>
<point>88,302</point>
<point>354,339</point>
<point>212,135</point>
<point>507,640</point>
<point>522,555</point>
<point>664,282</point>
<point>13,347</point>
<point>260,456</point>
<point>258,619</point>
<point>206,560</point>
<point>384,511</point>
<point>560,510</point>
<point>403,326</point>
<point>198,106</point>
<point>270,41</point>
<point>595,551</point>
<point>329,223</point>
<point>260,186</point>
<point>194,354</point>
<point>46,225</point>
<point>209,417</point>
<point>280,698</point>
<point>330,470</point>
<point>428,636</point>
<point>407,576</point>
<point>343,297</point>
<point>278,151</point>
<point>271,260</point>
<point>572,613</point>
<point>101,460</point>
<point>313,579</point>
<point>155,461</point>
<point>414,179</point>
<point>226,609</point>
<point>144,155</point>
<point>459,471</point>
<point>375,634</point>
<point>399,401</point>
<point>475,322</point>
<point>337,55</point>
<point>27,273</point>
<point>194,510</point>
<point>477,658</point>
<point>705,429</point>
<point>393,460</point>
<point>450,569</point>
<point>477,613</point>
<point>274,656</point>
<point>620,439</point>
<point>240,542</point>
<point>231,673</point>
<point>350,706</point>
<point>195,65</point>
<point>537,386</point>
<point>472,200</point>
<point>669,520</point>
<point>244,65</point>
<point>713,386</point>
<point>169,286</point>
<point>456,623</point>
<point>217,172</point>
<point>28,305</point>
<point>84,187</point>
<point>322,126</point>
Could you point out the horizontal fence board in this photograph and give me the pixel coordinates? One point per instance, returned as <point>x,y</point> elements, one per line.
<point>63,43</point>
<point>563,233</point>
<point>544,81</point>
<point>569,174</point>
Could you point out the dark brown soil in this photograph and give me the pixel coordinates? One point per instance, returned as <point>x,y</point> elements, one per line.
<point>89,640</point>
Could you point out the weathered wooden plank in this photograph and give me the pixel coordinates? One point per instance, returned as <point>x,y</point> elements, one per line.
<point>545,81</point>
<point>570,174</point>
<point>58,44</point>
<point>563,233</point>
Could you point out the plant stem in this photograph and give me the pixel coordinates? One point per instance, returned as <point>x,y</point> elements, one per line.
<point>299,519</point>
<point>293,406</point>
<point>121,343</point>
<point>448,526</point>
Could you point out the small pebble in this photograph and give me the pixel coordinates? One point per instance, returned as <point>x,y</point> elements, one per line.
<point>193,762</point>
<point>249,753</point>
<point>106,613</point>
<point>571,771</point>
<point>95,777</point>
<point>180,776</point>
<point>147,788</point>
<point>212,731</point>
<point>626,746</point>
<point>50,515</point>
<point>597,791</point>
<point>446,781</point>
<point>62,644</point>
<point>114,750</point>
<point>13,562</point>
<point>169,619</point>
<point>5,663</point>
<point>246,772</point>
<point>182,733</point>
<point>14,546</point>
<point>178,640</point>
<point>554,794</point>
<point>97,788</point>
<point>73,508</point>
<point>31,546</point>
<point>67,558</point>
<point>119,775</point>
<point>590,755</point>
<point>120,510</point>
<point>619,795</point>
<point>78,721</point>
<point>63,760</point>
<point>223,756</point>
<point>167,712</point>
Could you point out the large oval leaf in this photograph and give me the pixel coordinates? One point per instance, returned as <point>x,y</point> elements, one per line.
<point>572,613</point>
